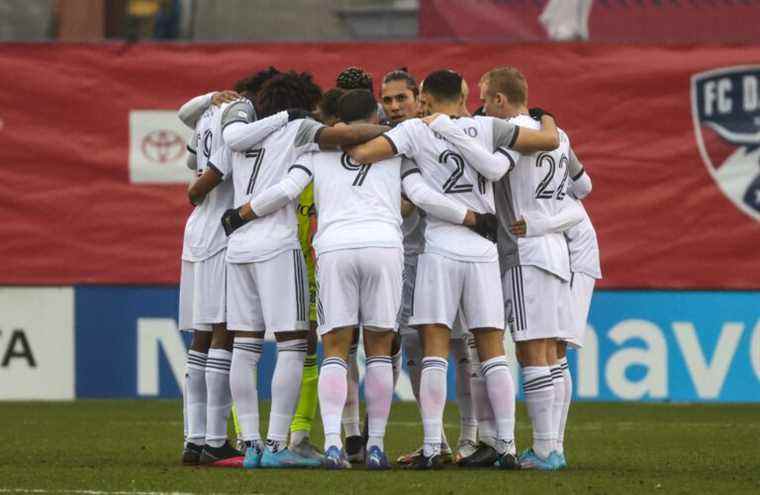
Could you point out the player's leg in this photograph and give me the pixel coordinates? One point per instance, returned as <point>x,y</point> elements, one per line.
<point>482,305</point>
<point>194,390</point>
<point>245,322</point>
<point>380,299</point>
<point>468,424</point>
<point>284,302</point>
<point>338,317</point>
<point>351,426</point>
<point>531,295</point>
<point>565,324</point>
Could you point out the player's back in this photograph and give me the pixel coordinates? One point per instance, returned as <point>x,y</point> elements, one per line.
<point>358,205</point>
<point>204,235</point>
<point>258,169</point>
<point>536,183</point>
<point>582,245</point>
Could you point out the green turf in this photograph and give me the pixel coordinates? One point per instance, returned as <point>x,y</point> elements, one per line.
<point>612,448</point>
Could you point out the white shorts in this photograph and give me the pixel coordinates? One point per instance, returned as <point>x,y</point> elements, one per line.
<point>581,290</point>
<point>359,287</point>
<point>537,304</point>
<point>271,295</point>
<point>202,293</point>
<point>445,286</point>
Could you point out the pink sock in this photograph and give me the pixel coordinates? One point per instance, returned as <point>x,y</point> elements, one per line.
<point>432,402</point>
<point>332,391</point>
<point>378,391</point>
<point>501,394</point>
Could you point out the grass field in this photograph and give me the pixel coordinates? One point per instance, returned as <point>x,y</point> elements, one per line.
<point>134,446</point>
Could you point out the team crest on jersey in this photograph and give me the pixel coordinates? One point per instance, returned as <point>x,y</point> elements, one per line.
<point>725,105</point>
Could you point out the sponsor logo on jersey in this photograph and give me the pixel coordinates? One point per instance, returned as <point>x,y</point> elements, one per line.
<point>725,106</point>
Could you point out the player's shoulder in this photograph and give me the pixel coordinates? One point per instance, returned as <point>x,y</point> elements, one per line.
<point>564,139</point>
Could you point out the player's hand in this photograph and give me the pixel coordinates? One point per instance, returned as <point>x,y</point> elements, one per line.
<point>519,228</point>
<point>298,113</point>
<point>430,118</point>
<point>221,97</point>
<point>485,225</point>
<point>231,221</point>
<point>537,113</point>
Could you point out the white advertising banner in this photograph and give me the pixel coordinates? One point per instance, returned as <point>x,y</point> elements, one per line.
<point>158,147</point>
<point>36,343</point>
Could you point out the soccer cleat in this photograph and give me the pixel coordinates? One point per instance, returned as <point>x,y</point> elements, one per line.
<point>285,458</point>
<point>465,449</point>
<point>376,459</point>
<point>412,457</point>
<point>223,456</point>
<point>507,461</point>
<point>484,456</point>
<point>355,448</point>
<point>191,454</point>
<point>423,463</point>
<point>558,460</point>
<point>335,458</point>
<point>252,456</point>
<point>447,456</point>
<point>530,460</point>
<point>305,449</point>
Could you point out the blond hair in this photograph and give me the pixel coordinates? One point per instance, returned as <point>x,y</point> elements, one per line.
<point>508,81</point>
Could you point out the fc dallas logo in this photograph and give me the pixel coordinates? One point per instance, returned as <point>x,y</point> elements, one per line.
<point>725,106</point>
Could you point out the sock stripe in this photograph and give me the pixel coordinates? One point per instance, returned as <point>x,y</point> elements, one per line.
<point>249,347</point>
<point>488,367</point>
<point>310,361</point>
<point>536,379</point>
<point>334,361</point>
<point>434,363</point>
<point>564,365</point>
<point>546,383</point>
<point>379,360</point>
<point>196,361</point>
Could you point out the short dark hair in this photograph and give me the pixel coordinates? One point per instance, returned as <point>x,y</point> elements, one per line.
<point>354,78</point>
<point>313,90</point>
<point>251,85</point>
<point>402,75</point>
<point>286,90</point>
<point>443,85</point>
<point>328,106</point>
<point>357,104</point>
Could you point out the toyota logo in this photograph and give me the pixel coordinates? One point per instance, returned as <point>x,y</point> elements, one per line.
<point>162,146</point>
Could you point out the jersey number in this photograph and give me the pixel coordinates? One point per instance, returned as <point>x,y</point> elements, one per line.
<point>543,191</point>
<point>362,169</point>
<point>452,185</point>
<point>258,156</point>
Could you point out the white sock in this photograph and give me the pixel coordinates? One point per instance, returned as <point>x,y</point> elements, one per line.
<point>501,394</point>
<point>559,400</point>
<point>413,349</point>
<point>219,396</point>
<point>468,425</point>
<point>432,402</point>
<point>246,353</point>
<point>351,409</point>
<point>332,389</point>
<point>480,401</point>
<point>396,363</point>
<point>286,387</point>
<point>539,399</point>
<point>195,397</point>
<point>568,397</point>
<point>378,392</point>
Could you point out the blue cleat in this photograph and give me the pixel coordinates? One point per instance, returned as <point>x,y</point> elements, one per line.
<point>286,459</point>
<point>530,460</point>
<point>376,459</point>
<point>252,458</point>
<point>558,460</point>
<point>335,458</point>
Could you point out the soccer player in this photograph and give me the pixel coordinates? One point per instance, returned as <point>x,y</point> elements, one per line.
<point>535,270</point>
<point>266,285</point>
<point>458,267</point>
<point>585,269</point>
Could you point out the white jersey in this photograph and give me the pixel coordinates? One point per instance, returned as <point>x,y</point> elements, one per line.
<point>535,183</point>
<point>444,168</point>
<point>583,246</point>
<point>204,235</point>
<point>254,171</point>
<point>358,206</point>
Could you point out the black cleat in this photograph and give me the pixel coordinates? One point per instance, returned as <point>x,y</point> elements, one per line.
<point>484,456</point>
<point>354,447</point>
<point>507,461</point>
<point>422,463</point>
<point>211,455</point>
<point>191,454</point>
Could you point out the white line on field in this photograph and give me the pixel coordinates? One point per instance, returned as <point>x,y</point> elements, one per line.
<point>89,492</point>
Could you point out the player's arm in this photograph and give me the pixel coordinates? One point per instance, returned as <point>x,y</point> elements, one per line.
<point>580,185</point>
<point>407,208</point>
<point>524,140</point>
<point>348,135</point>
<point>199,189</point>
<point>192,153</point>
<point>191,111</point>
<point>535,224</point>
<point>491,165</point>
<point>397,141</point>
<point>271,199</point>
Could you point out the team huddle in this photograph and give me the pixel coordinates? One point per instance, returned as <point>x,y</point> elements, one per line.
<point>408,226</point>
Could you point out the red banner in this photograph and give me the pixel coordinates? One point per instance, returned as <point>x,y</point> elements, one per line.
<point>608,21</point>
<point>81,129</point>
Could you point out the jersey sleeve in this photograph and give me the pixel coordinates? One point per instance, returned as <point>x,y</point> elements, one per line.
<point>420,193</point>
<point>221,161</point>
<point>307,136</point>
<point>238,111</point>
<point>191,111</point>
<point>404,137</point>
<point>504,134</point>
<point>241,136</point>
<point>288,189</point>
<point>580,187</point>
<point>538,224</point>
